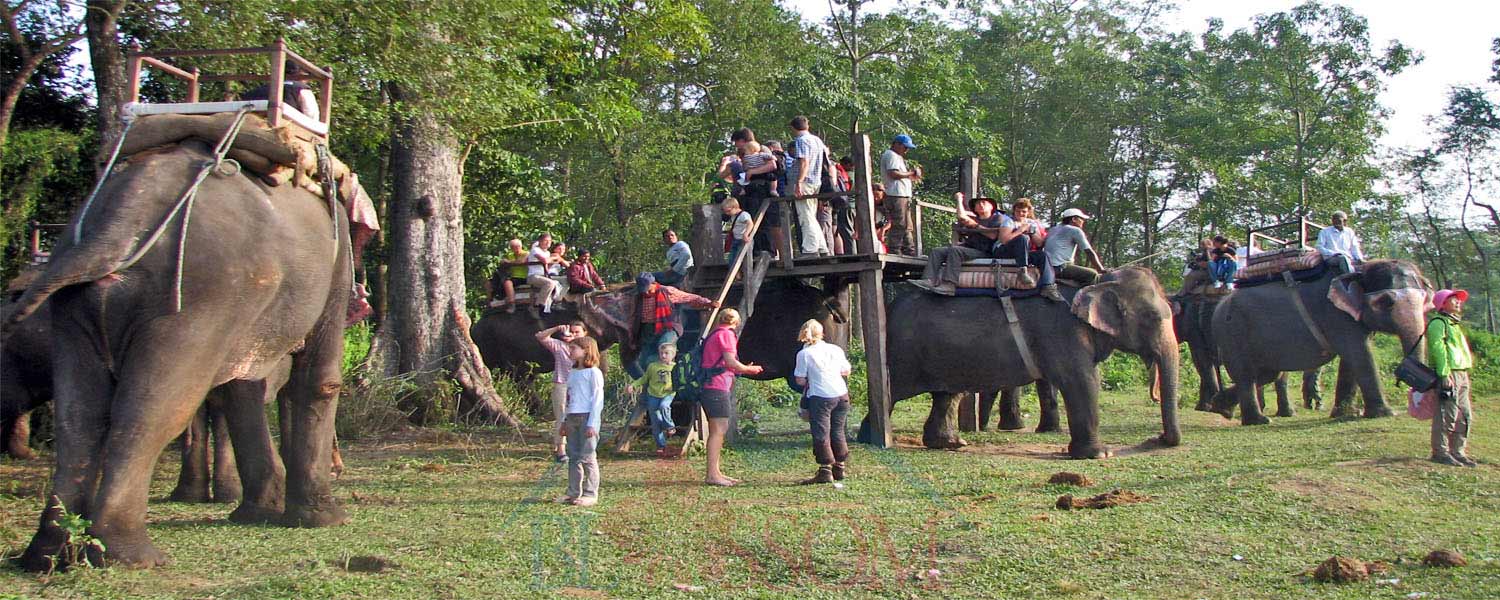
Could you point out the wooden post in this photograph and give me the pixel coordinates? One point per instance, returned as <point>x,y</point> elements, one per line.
<point>916,222</point>
<point>968,177</point>
<point>278,70</point>
<point>193,86</point>
<point>135,73</point>
<point>871,301</point>
<point>788,245</point>
<point>325,99</point>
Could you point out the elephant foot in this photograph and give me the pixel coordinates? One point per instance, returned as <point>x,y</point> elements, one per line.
<point>1377,411</point>
<point>946,442</point>
<point>228,494</point>
<point>1204,407</point>
<point>133,551</point>
<point>250,514</point>
<point>1169,439</point>
<point>1342,412</point>
<point>1009,425</point>
<point>45,552</point>
<point>1227,413</point>
<point>190,493</point>
<point>1255,420</point>
<point>1089,452</point>
<point>20,452</point>
<point>1048,426</point>
<point>1284,412</point>
<point>327,514</point>
<point>863,435</point>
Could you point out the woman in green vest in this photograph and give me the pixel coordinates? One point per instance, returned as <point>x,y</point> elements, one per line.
<point>1448,355</point>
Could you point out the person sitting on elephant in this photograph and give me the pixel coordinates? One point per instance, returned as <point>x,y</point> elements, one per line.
<point>679,259</point>
<point>1338,244</point>
<point>1195,276</point>
<point>582,276</point>
<point>979,233</point>
<point>655,386</point>
<point>1063,244</point>
<point>1225,263</point>
<point>1024,214</point>
<point>537,263</point>
<point>656,321</point>
<point>512,272</point>
<point>1014,242</point>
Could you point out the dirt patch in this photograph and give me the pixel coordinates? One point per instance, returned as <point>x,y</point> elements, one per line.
<point>1324,491</point>
<point>1033,451</point>
<point>1445,558</point>
<point>1339,569</point>
<point>365,564</point>
<point>1105,500</point>
<point>1069,478</point>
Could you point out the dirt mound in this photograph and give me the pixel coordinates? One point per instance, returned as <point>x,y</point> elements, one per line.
<point>1105,500</point>
<point>1067,478</point>
<point>365,564</point>
<point>1338,569</point>
<point>1445,558</point>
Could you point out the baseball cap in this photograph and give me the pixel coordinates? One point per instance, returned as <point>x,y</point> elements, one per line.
<point>1073,212</point>
<point>643,281</point>
<point>904,140</point>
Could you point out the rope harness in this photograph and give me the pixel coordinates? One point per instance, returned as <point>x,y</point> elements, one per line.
<point>1027,359</point>
<point>1307,320</point>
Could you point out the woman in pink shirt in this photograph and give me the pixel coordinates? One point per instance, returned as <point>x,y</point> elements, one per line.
<point>720,357</point>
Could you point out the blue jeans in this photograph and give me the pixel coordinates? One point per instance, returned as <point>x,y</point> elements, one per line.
<point>660,412</point>
<point>1223,269</point>
<point>734,250</point>
<point>668,277</point>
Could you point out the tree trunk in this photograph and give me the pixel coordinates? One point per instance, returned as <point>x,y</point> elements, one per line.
<point>1484,257</point>
<point>109,71</point>
<point>426,327</point>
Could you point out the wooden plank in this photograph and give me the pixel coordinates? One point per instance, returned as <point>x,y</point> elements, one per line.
<point>209,52</point>
<point>278,67</point>
<point>872,319</point>
<point>626,435</point>
<point>942,207</point>
<point>916,222</point>
<point>193,86</point>
<point>325,98</point>
<point>863,199</point>
<point>787,245</point>
<point>968,177</point>
<point>167,68</point>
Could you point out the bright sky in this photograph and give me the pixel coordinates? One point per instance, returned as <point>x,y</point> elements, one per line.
<point>1453,35</point>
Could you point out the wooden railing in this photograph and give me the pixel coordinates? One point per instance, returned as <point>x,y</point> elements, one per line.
<point>1254,237</point>
<point>279,55</point>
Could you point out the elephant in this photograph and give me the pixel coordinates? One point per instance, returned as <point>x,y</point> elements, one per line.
<point>1192,321</point>
<point>154,303</point>
<point>935,346</point>
<point>507,342</point>
<point>1260,332</point>
<point>25,380</point>
<point>1010,409</point>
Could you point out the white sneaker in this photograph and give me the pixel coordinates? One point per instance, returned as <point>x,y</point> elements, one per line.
<point>586,501</point>
<point>1229,285</point>
<point>1218,284</point>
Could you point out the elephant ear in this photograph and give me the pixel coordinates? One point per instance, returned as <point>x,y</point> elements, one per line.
<point>608,312</point>
<point>1099,306</point>
<point>1347,294</point>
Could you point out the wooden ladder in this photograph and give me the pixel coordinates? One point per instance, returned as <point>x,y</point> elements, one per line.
<point>755,273</point>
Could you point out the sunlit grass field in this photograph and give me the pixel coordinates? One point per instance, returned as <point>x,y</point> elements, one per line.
<point>1236,512</point>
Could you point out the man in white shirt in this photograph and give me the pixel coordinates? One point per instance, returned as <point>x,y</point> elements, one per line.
<point>898,180</point>
<point>805,176</point>
<point>1338,244</point>
<point>544,288</point>
<point>679,259</point>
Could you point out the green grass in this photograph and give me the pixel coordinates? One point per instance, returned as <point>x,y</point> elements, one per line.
<point>458,513</point>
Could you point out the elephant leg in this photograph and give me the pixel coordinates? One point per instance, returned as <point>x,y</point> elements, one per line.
<point>1343,392</point>
<point>1046,399</point>
<point>1081,398</point>
<point>968,411</point>
<point>1208,381</point>
<point>1260,397</point>
<point>261,473</point>
<point>1010,409</point>
<point>1248,393</point>
<point>82,389</point>
<point>15,425</point>
<point>1369,382</point>
<point>987,408</point>
<point>226,482</point>
<point>192,480</point>
<point>1283,399</point>
<point>941,429</point>
<point>312,396</point>
<point>1312,395</point>
<point>157,395</point>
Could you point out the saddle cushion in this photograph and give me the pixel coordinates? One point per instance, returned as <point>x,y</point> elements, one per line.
<point>1317,271</point>
<point>1274,263</point>
<point>994,277</point>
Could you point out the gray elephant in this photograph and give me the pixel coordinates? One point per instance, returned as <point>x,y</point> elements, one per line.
<point>1260,332</point>
<point>260,272</point>
<point>25,380</point>
<point>1192,320</point>
<point>946,346</point>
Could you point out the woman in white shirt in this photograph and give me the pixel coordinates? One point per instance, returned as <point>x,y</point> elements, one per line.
<point>821,370</point>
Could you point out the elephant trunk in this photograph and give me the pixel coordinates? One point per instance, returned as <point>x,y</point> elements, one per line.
<point>1164,359</point>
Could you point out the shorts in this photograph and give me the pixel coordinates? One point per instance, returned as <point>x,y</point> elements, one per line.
<point>715,403</point>
<point>518,281</point>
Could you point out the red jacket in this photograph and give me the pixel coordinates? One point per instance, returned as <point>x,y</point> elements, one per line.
<point>583,275</point>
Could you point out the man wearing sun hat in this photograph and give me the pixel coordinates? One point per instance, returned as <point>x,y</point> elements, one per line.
<point>1449,356</point>
<point>980,228</point>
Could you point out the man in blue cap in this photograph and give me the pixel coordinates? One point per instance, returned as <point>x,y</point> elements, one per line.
<point>898,180</point>
<point>656,320</point>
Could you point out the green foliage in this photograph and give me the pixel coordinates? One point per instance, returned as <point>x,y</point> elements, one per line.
<point>1123,371</point>
<point>78,543</point>
<point>38,163</point>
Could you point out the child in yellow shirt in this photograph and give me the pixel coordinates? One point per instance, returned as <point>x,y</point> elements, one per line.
<point>657,392</point>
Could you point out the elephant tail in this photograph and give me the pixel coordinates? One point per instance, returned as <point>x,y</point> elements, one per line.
<point>97,258</point>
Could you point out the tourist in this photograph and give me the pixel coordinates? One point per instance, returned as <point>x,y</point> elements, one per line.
<point>294,93</point>
<point>805,174</point>
<point>655,386</point>
<point>720,358</point>
<point>1024,214</point>
<point>1014,241</point>
<point>1224,264</point>
<point>843,209</point>
<point>581,426</point>
<point>740,224</point>
<point>1063,244</point>
<point>821,370</point>
<point>582,276</point>
<point>544,288</point>
<point>1195,274</point>
<point>656,322</point>
<point>979,234</point>
<point>512,272</point>
<point>679,259</point>
<point>1339,246</point>
<point>1449,356</point>
<point>778,187</point>
<point>898,181</point>
<point>562,363</point>
<point>760,169</point>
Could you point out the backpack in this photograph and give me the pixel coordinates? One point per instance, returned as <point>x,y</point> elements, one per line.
<point>689,375</point>
<point>832,183</point>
